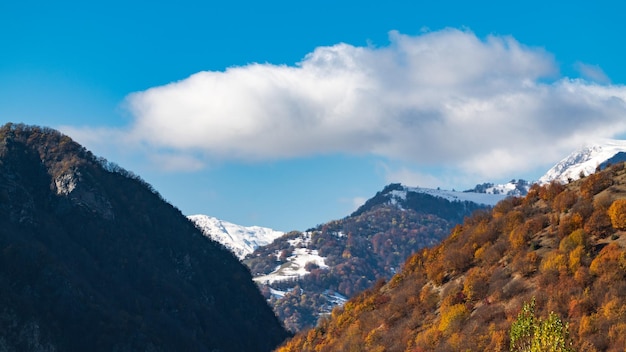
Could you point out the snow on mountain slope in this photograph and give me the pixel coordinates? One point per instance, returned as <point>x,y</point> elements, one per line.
<point>585,160</point>
<point>241,240</point>
<point>507,188</point>
<point>478,198</point>
<point>512,188</point>
<point>295,265</point>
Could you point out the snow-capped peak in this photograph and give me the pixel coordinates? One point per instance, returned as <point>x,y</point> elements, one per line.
<point>241,240</point>
<point>585,160</point>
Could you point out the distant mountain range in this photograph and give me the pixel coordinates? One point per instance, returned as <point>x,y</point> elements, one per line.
<point>243,240</point>
<point>285,265</point>
<point>585,161</point>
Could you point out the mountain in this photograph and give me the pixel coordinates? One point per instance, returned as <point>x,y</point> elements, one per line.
<point>428,200</point>
<point>241,240</point>
<point>93,259</point>
<point>512,188</point>
<point>304,275</point>
<point>547,270</point>
<point>585,161</point>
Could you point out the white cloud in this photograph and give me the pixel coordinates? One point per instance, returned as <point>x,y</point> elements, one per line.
<point>491,107</point>
<point>592,72</point>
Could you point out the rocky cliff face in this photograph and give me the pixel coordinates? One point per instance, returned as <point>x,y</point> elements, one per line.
<point>71,186</point>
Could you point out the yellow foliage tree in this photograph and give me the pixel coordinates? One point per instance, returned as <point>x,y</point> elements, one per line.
<point>610,264</point>
<point>578,238</point>
<point>575,258</point>
<point>554,261</point>
<point>474,287</point>
<point>452,317</point>
<point>617,213</point>
<point>519,237</point>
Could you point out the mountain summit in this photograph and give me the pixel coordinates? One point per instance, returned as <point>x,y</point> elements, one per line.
<point>586,161</point>
<point>93,259</point>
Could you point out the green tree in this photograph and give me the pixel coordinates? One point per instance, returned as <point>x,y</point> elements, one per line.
<point>530,334</point>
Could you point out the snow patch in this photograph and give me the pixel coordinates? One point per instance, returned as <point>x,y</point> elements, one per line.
<point>278,293</point>
<point>339,234</point>
<point>335,298</point>
<point>294,266</point>
<point>505,189</point>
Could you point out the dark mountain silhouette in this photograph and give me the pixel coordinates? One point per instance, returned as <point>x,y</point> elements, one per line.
<point>547,270</point>
<point>93,259</point>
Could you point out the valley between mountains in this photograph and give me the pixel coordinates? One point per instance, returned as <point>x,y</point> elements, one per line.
<point>304,275</point>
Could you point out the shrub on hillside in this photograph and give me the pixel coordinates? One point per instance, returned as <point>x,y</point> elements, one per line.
<point>599,223</point>
<point>529,333</point>
<point>595,183</point>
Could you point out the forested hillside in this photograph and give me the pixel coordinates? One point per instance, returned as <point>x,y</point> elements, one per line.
<point>93,259</point>
<point>344,257</point>
<point>547,271</point>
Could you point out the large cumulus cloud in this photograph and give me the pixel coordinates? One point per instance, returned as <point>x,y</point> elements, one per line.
<point>488,106</point>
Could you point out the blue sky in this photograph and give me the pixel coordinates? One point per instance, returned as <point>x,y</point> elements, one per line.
<point>287,115</point>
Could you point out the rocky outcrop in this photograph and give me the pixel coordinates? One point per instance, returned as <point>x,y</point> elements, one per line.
<point>69,185</point>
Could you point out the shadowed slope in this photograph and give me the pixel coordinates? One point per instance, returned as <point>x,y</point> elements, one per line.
<point>93,259</point>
